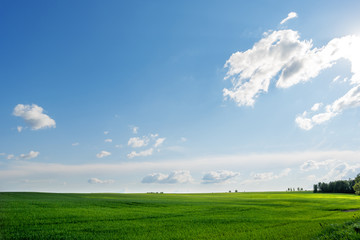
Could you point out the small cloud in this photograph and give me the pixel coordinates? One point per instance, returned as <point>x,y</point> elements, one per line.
<point>10,156</point>
<point>2,154</point>
<point>135,129</point>
<point>316,107</point>
<point>19,128</point>
<point>220,176</point>
<point>336,78</point>
<point>136,142</point>
<point>106,132</point>
<point>103,154</point>
<point>108,140</point>
<point>98,181</point>
<point>291,15</point>
<point>34,116</point>
<point>31,154</point>
<point>144,153</point>
<point>118,146</point>
<point>179,176</point>
<point>159,142</point>
<point>183,139</point>
<point>153,136</point>
<point>75,144</point>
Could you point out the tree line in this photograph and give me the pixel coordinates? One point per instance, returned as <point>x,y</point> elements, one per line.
<point>340,186</point>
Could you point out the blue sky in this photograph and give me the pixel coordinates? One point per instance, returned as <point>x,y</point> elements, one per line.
<point>186,96</point>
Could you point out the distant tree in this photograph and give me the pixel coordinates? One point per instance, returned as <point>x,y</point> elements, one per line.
<point>315,188</point>
<point>236,190</point>
<point>356,186</point>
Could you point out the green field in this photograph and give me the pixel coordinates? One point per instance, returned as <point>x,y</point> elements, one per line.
<point>283,215</point>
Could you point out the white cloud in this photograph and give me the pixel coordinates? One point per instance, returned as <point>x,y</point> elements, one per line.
<point>179,176</point>
<point>183,139</point>
<point>108,140</point>
<point>220,176</point>
<point>10,156</point>
<point>154,136</point>
<point>270,175</point>
<point>159,142</point>
<point>106,132</point>
<point>340,171</point>
<point>75,144</point>
<point>316,107</point>
<point>252,70</point>
<point>103,154</point>
<point>31,154</point>
<point>350,100</point>
<point>96,181</point>
<point>290,16</point>
<point>281,53</point>
<point>314,165</point>
<point>19,128</point>
<point>336,78</point>
<point>135,130</point>
<point>34,116</point>
<point>144,153</point>
<point>118,146</point>
<point>136,142</point>
<point>2,154</point>
<point>335,169</point>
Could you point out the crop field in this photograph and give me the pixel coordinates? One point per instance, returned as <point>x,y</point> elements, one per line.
<point>276,215</point>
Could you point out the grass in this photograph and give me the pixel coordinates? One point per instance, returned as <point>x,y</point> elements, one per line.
<point>278,215</point>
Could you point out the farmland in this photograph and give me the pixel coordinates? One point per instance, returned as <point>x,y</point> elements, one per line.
<point>276,215</point>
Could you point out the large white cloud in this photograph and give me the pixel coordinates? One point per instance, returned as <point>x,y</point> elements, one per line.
<point>178,176</point>
<point>219,176</point>
<point>282,55</point>
<point>34,116</point>
<point>144,153</point>
<point>31,154</point>
<point>252,70</point>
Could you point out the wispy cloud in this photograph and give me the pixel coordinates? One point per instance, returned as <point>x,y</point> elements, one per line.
<point>266,176</point>
<point>179,176</point>
<point>159,142</point>
<point>350,100</point>
<point>34,116</point>
<point>137,142</point>
<point>30,155</point>
<point>291,15</point>
<point>98,181</point>
<point>103,154</point>
<point>144,153</point>
<point>75,144</point>
<point>108,140</point>
<point>220,176</point>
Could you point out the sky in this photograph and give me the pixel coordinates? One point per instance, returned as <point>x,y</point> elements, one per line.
<point>178,96</point>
